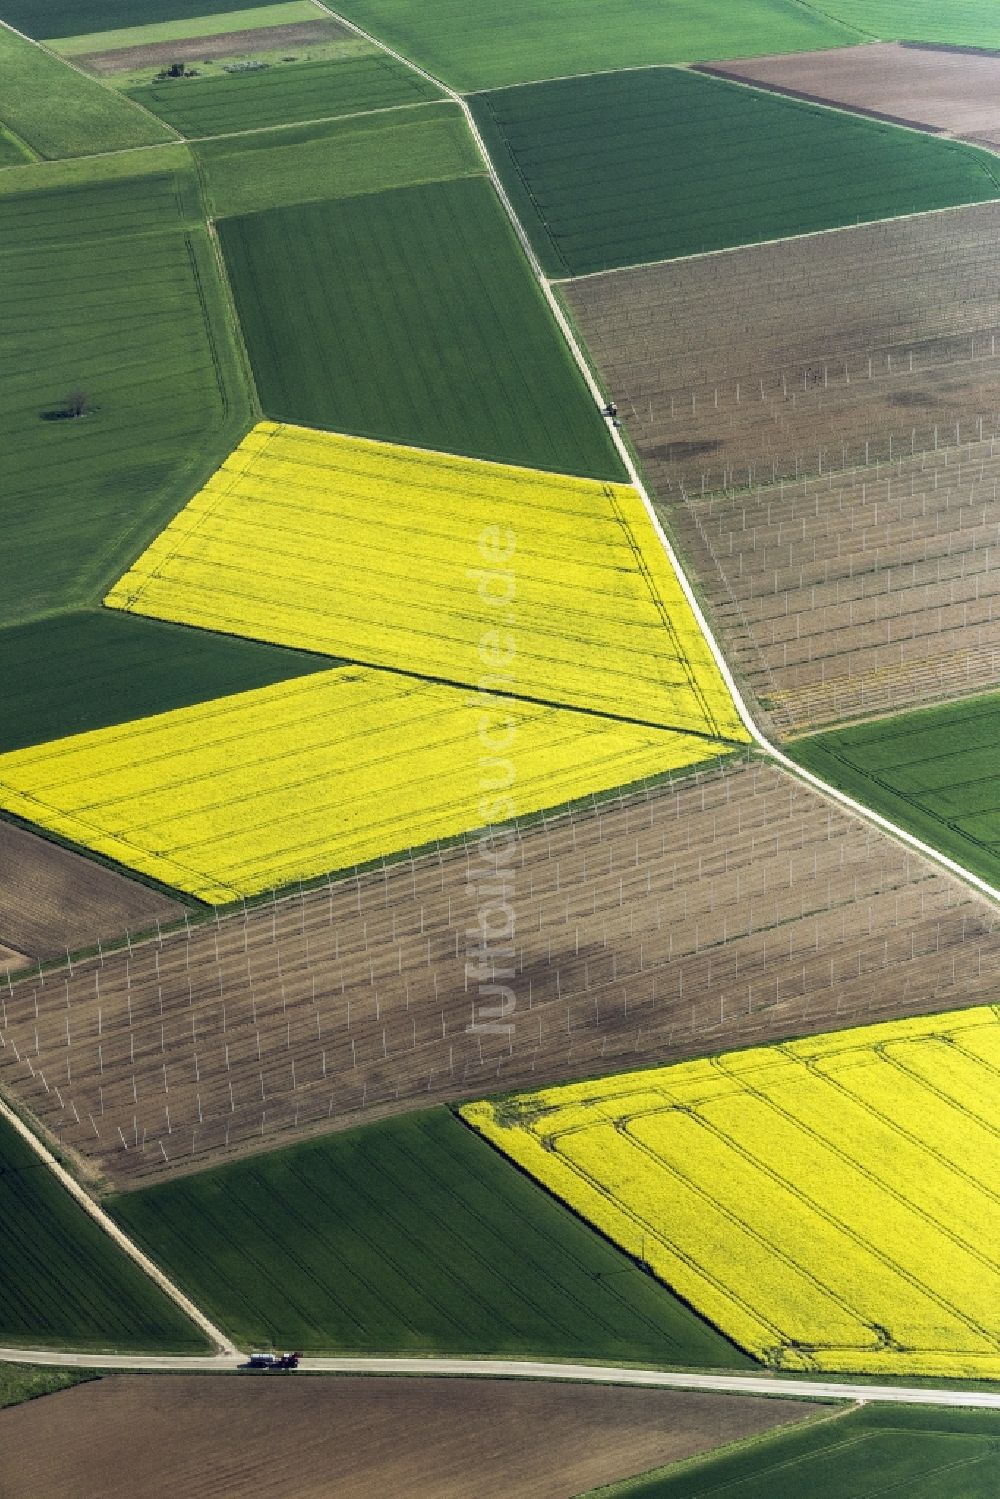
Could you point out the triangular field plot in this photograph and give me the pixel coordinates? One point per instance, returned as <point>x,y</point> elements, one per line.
<point>543,587</point>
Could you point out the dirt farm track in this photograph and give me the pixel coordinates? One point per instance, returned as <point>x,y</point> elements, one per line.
<point>730,909</point>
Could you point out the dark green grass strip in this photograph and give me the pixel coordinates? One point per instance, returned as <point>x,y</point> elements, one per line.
<point>283,95</point>
<point>63,1282</point>
<point>935,771</point>
<point>94,668</point>
<point>409,1235</point>
<point>881,1450</point>
<point>52,18</point>
<point>621,168</point>
<point>21,1382</point>
<point>112,290</point>
<point>412,316</point>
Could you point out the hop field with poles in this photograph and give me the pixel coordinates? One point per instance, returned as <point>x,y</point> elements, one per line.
<point>830,1203</point>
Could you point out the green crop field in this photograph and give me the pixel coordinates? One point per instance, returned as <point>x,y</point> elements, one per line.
<point>412,316</point>
<point>63,1282</point>
<point>59,112</point>
<point>307,163</point>
<point>91,668</point>
<point>57,18</point>
<point>283,95</point>
<point>111,290</point>
<point>617,169</point>
<point>933,771</point>
<point>12,151</point>
<point>475,44</point>
<point>968,23</point>
<point>409,1235</point>
<point>861,1454</point>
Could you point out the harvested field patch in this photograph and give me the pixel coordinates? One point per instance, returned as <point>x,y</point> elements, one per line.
<point>52,899</point>
<point>247,793</point>
<point>64,1283</point>
<point>412,316</point>
<point>380,1436</point>
<point>947,1454</point>
<point>395,1224</point>
<point>942,90</point>
<point>406,555</point>
<point>828,1203</point>
<point>859,593</point>
<point>96,278</point>
<point>934,772</point>
<point>69,673</point>
<point>205,48</point>
<point>474,44</point>
<point>284,94</point>
<point>617,168</point>
<point>732,908</point>
<point>58,111</point>
<point>336,159</point>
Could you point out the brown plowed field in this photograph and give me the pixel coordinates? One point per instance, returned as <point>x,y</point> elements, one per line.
<point>858,593</point>
<point>11,959</point>
<point>52,899</point>
<point>734,908</point>
<point>806,355</point>
<point>314,1437</point>
<point>221,44</point>
<point>957,93</point>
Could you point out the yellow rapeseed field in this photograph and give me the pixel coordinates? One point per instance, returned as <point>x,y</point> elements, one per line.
<point>463,571</point>
<point>319,773</point>
<point>831,1204</point>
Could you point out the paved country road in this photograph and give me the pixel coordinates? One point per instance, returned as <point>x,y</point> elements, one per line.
<point>723,1384</point>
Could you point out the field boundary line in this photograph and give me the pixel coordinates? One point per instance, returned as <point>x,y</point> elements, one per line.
<point>91,78</point>
<point>783,239</point>
<point>222,1343</point>
<point>354,114</point>
<point>432,1367</point>
<point>867,814</point>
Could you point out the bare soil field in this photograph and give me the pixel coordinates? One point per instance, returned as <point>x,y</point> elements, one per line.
<point>222,44</point>
<point>10,959</point>
<point>52,899</point>
<point>949,92</point>
<point>731,908</point>
<point>806,355</point>
<point>313,1437</point>
<point>858,593</point>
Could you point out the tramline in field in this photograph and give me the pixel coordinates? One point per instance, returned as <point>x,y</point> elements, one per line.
<point>829,1203</point>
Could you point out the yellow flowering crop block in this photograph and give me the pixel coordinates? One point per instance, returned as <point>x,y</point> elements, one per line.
<point>319,773</point>
<point>455,569</point>
<point>831,1204</point>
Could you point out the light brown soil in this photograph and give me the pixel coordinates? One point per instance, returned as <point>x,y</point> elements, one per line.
<point>860,593</point>
<point>732,909</point>
<point>307,1437</point>
<point>954,92</point>
<point>827,357</point>
<point>10,959</point>
<point>52,899</point>
<point>807,355</point>
<point>222,44</point>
